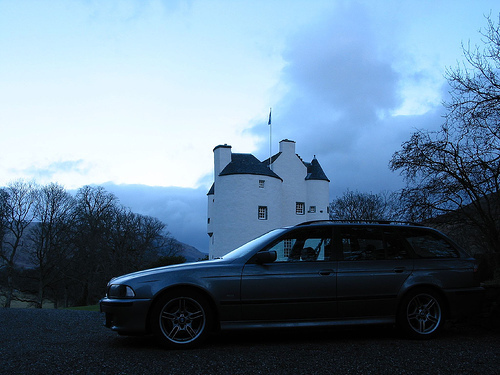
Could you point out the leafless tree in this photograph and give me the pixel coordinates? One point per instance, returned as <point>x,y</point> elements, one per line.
<point>50,237</point>
<point>456,169</point>
<point>75,244</point>
<point>110,241</point>
<point>356,206</point>
<point>135,240</point>
<point>95,209</point>
<point>19,207</point>
<point>4,198</point>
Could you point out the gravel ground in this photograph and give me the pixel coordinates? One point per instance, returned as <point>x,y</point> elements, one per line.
<point>75,342</point>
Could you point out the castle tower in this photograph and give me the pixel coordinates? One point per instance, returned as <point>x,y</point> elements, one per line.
<point>248,198</point>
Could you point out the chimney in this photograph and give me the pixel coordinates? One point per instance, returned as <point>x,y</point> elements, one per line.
<point>222,157</point>
<point>287,147</point>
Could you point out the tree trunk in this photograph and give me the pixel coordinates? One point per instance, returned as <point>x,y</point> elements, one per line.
<point>10,286</point>
<point>39,303</point>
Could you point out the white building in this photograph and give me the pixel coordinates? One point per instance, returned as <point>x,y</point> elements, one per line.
<point>249,197</point>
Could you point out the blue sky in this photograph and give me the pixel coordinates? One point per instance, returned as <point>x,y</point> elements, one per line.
<point>131,93</point>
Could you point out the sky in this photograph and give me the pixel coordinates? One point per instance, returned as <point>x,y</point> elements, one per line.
<point>134,95</point>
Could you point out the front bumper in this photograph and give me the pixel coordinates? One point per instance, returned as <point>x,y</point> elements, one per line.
<point>126,316</point>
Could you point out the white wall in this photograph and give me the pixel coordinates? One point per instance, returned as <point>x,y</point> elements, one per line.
<point>318,194</point>
<point>293,172</point>
<point>234,212</point>
<point>233,209</point>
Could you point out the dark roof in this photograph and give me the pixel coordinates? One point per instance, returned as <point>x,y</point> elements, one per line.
<point>314,171</point>
<point>247,164</point>
<point>212,190</point>
<point>273,159</point>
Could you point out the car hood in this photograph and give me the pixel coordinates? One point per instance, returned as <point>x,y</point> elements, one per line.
<point>152,272</point>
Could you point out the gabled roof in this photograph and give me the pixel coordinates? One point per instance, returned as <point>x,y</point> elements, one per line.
<point>247,164</point>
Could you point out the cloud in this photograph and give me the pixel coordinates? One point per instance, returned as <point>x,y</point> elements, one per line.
<point>52,171</point>
<point>340,82</point>
<point>343,91</point>
<point>337,63</point>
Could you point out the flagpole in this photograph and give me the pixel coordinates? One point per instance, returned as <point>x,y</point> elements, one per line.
<point>270,141</point>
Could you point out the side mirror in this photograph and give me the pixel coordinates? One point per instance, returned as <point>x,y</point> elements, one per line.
<point>265,257</point>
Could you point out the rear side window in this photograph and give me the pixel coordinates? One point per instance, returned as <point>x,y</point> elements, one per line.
<point>430,245</point>
<point>365,243</point>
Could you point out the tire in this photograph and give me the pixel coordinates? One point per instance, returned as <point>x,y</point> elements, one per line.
<point>421,314</point>
<point>181,319</point>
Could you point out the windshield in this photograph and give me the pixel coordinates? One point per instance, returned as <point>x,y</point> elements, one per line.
<point>254,245</point>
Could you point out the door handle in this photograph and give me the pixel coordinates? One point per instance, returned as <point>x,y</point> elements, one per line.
<point>325,272</point>
<point>399,269</point>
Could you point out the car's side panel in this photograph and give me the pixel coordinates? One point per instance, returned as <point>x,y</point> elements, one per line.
<point>446,273</point>
<point>370,288</point>
<point>220,282</point>
<point>454,278</point>
<point>288,291</point>
<point>225,292</point>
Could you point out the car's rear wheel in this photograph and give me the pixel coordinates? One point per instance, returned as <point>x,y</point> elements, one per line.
<point>421,314</point>
<point>181,319</point>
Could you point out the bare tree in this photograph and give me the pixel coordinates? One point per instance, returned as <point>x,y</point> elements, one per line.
<point>135,240</point>
<point>19,215</point>
<point>95,210</point>
<point>4,198</point>
<point>51,237</point>
<point>457,169</point>
<point>110,240</point>
<point>75,244</point>
<point>355,206</point>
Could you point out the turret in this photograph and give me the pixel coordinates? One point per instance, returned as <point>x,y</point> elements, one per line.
<point>222,157</point>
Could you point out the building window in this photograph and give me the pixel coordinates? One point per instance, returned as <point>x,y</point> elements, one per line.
<point>262,212</point>
<point>262,183</point>
<point>312,209</point>
<point>300,208</point>
<point>287,247</point>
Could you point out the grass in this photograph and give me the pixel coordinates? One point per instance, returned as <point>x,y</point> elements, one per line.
<point>85,308</point>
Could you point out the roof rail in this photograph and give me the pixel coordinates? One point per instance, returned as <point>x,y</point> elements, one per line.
<point>387,222</point>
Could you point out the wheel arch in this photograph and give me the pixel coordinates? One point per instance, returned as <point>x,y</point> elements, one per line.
<point>430,287</point>
<point>185,287</point>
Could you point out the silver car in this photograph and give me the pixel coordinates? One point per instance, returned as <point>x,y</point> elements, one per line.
<point>313,274</point>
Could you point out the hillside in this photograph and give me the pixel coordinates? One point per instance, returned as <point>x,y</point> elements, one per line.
<point>191,253</point>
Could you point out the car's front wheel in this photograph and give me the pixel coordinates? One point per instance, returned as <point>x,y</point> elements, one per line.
<point>421,314</point>
<point>181,319</point>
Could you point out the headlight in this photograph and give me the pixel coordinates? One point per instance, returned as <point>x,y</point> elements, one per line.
<point>120,291</point>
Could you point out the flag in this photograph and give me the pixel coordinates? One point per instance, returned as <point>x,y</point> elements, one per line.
<point>269,122</point>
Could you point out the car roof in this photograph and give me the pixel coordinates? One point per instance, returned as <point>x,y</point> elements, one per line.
<point>370,223</point>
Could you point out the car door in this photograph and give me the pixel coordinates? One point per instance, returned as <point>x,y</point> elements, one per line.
<point>299,285</point>
<point>374,264</point>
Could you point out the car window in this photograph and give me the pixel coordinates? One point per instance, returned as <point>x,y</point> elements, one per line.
<point>371,244</point>
<point>395,246</point>
<point>431,245</point>
<point>253,245</point>
<point>304,246</point>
